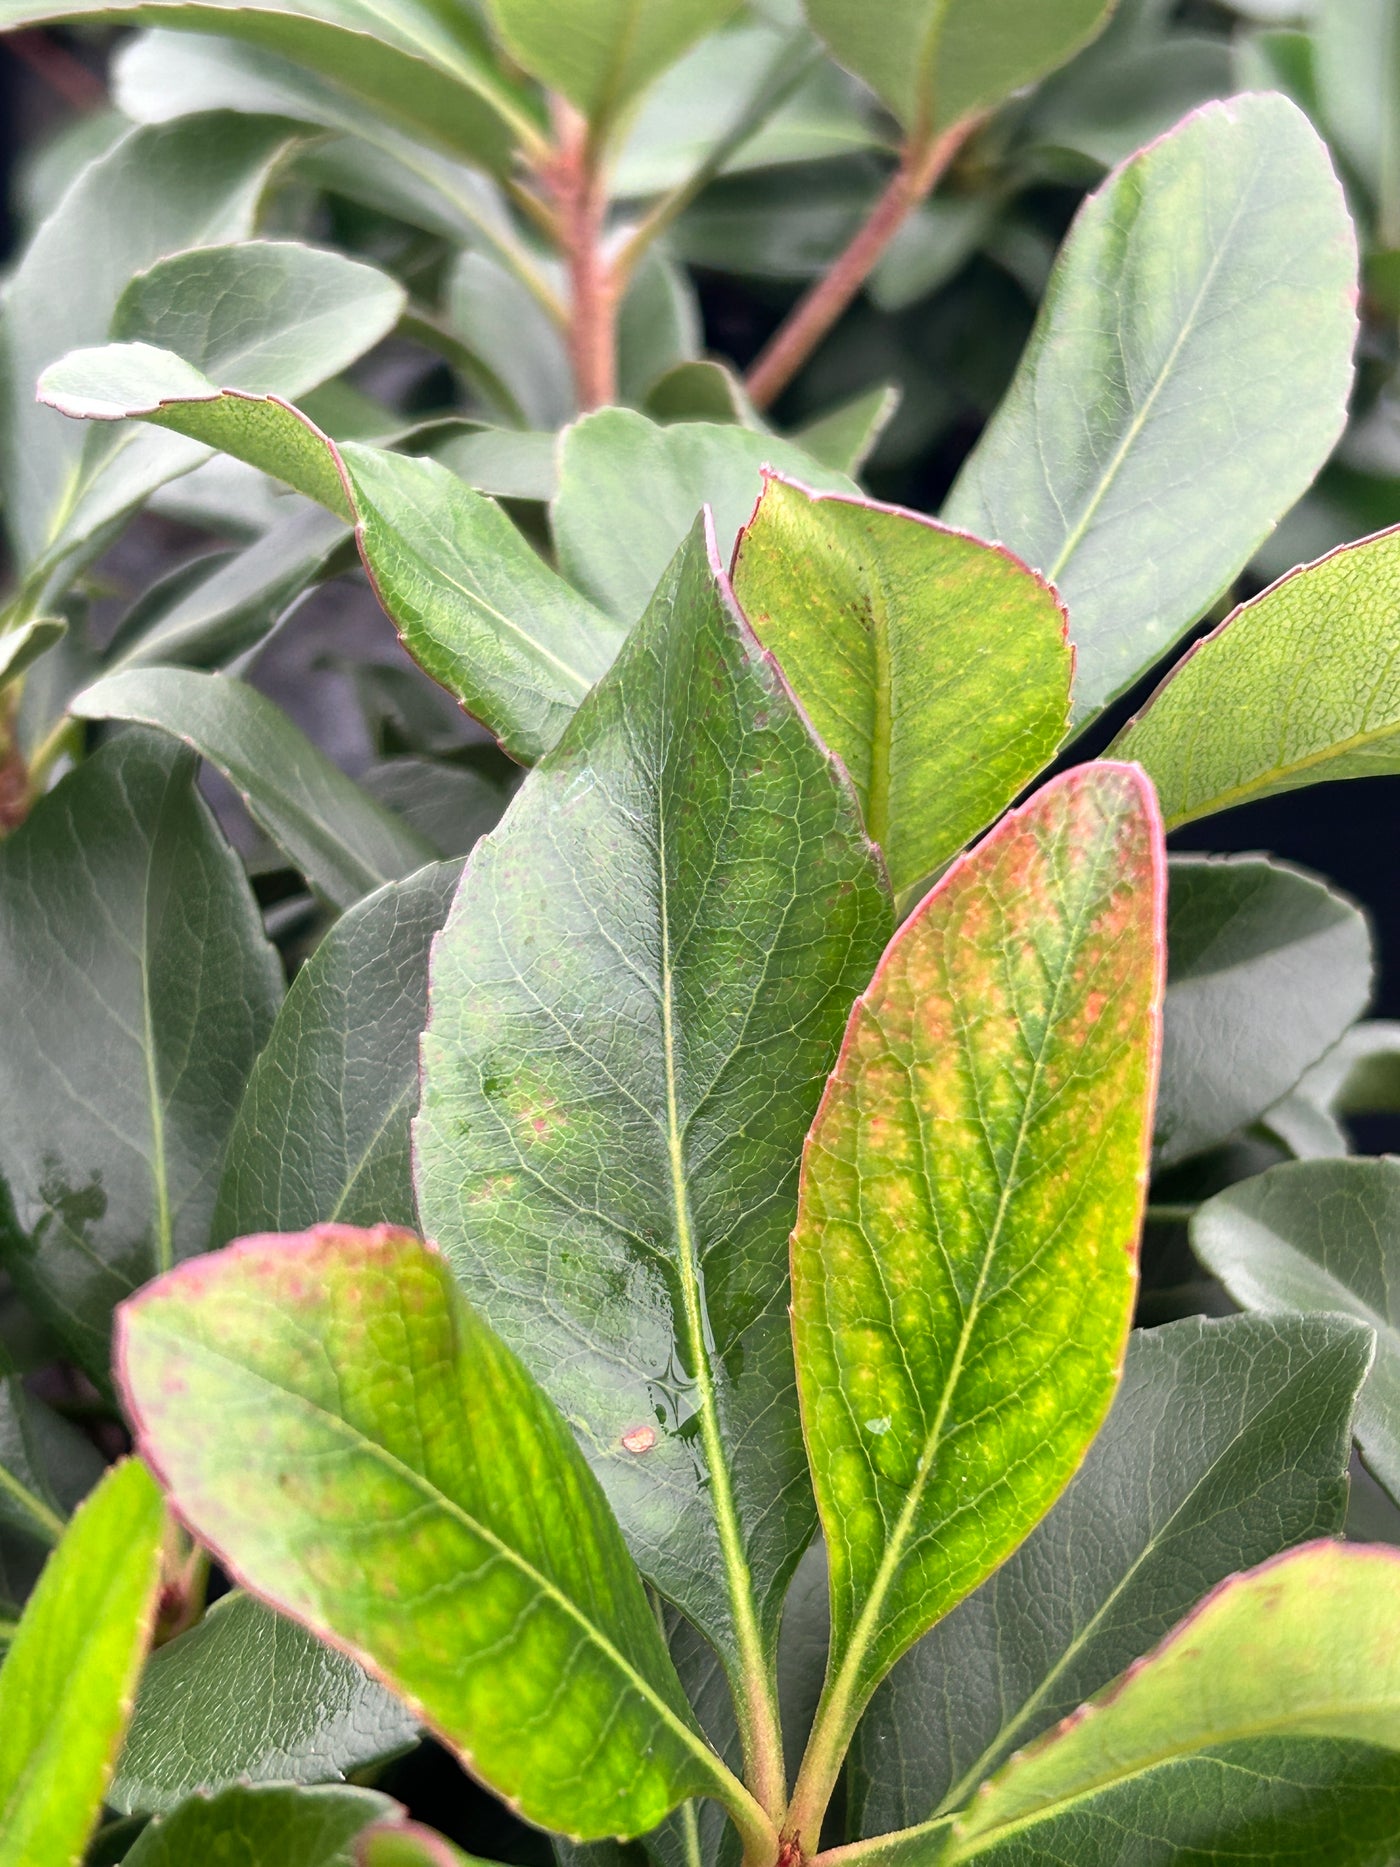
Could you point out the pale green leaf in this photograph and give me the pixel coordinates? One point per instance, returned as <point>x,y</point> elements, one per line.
<point>342,840</point>
<point>1186,379</point>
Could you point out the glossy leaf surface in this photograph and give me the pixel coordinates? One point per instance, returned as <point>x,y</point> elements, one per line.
<point>322,1133</point>
<point>338,836</point>
<point>1299,686</point>
<point>1269,1719</point>
<point>156,191</point>
<point>249,1696</point>
<point>965,1258</point>
<point>935,62</point>
<point>1318,1235</point>
<point>629,492</point>
<point>475,605</point>
<point>68,1679</point>
<point>600,53</point>
<point>138,989</point>
<point>427,70</point>
<point>258,1826</point>
<point>1206,289</point>
<point>1228,1441</point>
<point>936,667</point>
<point>306,1399</point>
<point>633,1006</point>
<point>1267,968</point>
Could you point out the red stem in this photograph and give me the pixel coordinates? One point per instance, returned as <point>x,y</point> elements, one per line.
<point>64,74</point>
<point>574,178</point>
<point>919,170</point>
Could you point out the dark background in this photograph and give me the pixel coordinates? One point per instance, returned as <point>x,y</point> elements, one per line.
<point>1345,832</point>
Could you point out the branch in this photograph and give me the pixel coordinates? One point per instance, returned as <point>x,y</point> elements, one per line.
<point>920,168</point>
<point>574,176</point>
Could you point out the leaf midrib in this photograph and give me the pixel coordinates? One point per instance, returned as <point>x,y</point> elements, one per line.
<point>419,1481</point>
<point>1080,529</point>
<point>1304,1724</point>
<point>1282,774</point>
<point>1006,1736</point>
<point>862,1636</point>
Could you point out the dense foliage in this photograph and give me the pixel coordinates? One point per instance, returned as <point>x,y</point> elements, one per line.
<point>907,1368</point>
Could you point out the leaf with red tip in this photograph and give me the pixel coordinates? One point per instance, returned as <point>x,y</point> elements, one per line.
<point>935,666</point>
<point>965,1258</point>
<point>332,1418</point>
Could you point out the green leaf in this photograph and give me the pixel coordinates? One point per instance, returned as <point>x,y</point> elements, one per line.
<point>156,191</point>
<point>246,1696</point>
<point>263,314</point>
<point>69,1676</point>
<point>936,667</point>
<point>601,53</point>
<point>263,1826</point>
<point>46,1465</point>
<point>1228,1442</point>
<point>1266,969</point>
<point>965,1258</point>
<point>1296,687</point>
<point>1186,379</point>
<point>426,67</point>
<point>137,988</point>
<point>342,840</point>
<point>117,382</point>
<point>629,492</point>
<point>20,648</point>
<point>322,1132</point>
<point>474,603</point>
<point>1356,47</point>
<point>1265,1726</point>
<point>848,435</point>
<point>701,390</point>
<point>937,62</point>
<point>453,806</point>
<point>633,1006</point>
<point>410,1845</point>
<point>305,1396</point>
<point>1315,1235</point>
<point>234,606</point>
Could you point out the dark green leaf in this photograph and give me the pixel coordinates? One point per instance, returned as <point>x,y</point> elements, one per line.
<point>1317,1235</point>
<point>322,1133</point>
<point>137,990</point>
<point>337,835</point>
<point>1266,968</point>
<point>1227,1443</point>
<point>247,1696</point>
<point>634,1004</point>
<point>46,1465</point>
<point>1206,290</point>
<point>306,1396</point>
<point>846,437</point>
<point>20,648</point>
<point>262,1826</point>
